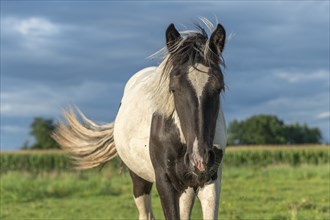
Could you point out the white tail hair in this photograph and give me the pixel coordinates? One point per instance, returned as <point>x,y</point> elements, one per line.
<point>88,143</point>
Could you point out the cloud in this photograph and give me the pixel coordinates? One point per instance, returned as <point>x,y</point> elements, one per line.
<point>42,100</point>
<point>33,33</point>
<point>37,48</point>
<point>294,77</point>
<point>34,26</point>
<point>323,115</point>
<point>290,108</point>
<point>13,129</point>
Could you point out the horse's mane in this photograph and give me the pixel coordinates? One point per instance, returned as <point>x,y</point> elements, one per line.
<point>192,48</point>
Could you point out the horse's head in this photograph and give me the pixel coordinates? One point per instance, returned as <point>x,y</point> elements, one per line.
<point>196,81</point>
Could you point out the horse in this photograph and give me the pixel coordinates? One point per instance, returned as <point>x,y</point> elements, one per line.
<point>170,129</point>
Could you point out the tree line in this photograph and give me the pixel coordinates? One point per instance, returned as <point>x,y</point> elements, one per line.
<point>269,129</point>
<point>255,130</point>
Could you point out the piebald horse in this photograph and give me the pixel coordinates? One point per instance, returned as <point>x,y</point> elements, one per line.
<point>169,130</point>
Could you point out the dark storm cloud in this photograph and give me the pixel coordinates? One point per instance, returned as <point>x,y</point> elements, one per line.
<point>56,53</point>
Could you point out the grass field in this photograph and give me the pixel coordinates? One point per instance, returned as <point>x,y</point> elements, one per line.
<point>270,192</point>
<point>258,183</point>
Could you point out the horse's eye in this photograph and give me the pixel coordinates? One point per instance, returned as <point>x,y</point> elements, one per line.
<point>172,88</point>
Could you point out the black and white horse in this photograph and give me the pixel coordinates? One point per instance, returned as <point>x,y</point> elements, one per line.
<point>169,130</point>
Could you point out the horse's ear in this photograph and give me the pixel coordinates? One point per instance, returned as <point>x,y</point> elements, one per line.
<point>217,40</point>
<point>172,37</point>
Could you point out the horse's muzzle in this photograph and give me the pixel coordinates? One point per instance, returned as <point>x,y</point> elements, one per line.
<point>202,163</point>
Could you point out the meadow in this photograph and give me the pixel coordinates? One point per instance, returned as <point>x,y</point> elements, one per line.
<point>258,183</point>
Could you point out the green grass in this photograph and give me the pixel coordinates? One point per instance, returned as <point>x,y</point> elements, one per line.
<point>276,192</point>
<point>270,192</point>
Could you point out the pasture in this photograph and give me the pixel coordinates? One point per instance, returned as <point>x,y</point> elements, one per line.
<point>296,188</point>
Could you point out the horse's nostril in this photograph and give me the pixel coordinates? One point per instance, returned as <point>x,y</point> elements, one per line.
<point>211,158</point>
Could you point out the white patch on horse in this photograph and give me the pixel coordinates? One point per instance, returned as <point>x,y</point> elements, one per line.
<point>186,203</point>
<point>177,123</point>
<point>195,146</point>
<point>198,77</point>
<point>143,203</point>
<point>209,196</point>
<point>132,142</point>
<point>196,152</point>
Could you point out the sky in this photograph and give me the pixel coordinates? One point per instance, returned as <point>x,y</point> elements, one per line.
<point>60,53</point>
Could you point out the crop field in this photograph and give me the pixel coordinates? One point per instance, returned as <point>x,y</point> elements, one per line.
<point>257,183</point>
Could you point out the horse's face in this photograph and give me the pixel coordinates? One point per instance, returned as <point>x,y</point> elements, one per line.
<point>196,84</point>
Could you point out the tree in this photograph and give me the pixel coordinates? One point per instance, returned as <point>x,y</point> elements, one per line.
<point>268,129</point>
<point>42,129</point>
<point>297,134</point>
<point>260,129</point>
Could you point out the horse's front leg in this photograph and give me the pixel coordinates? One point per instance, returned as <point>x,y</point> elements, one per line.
<point>169,197</point>
<point>186,203</point>
<point>209,196</point>
<point>142,197</point>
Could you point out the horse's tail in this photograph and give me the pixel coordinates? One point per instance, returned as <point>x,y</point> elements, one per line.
<point>88,143</point>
